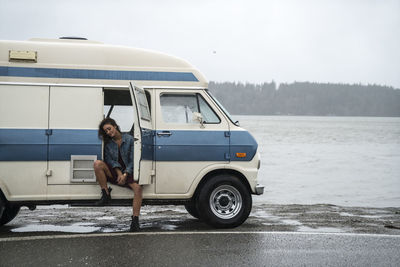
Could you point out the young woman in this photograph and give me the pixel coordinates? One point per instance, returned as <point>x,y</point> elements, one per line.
<point>117,167</point>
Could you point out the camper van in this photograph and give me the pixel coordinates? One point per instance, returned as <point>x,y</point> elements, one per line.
<point>187,148</point>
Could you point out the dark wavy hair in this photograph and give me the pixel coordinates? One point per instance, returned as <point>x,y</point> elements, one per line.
<point>102,133</point>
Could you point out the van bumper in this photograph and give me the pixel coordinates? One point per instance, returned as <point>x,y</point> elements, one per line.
<point>259,189</point>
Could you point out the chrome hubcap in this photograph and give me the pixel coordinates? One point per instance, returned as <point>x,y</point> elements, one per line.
<point>225,201</point>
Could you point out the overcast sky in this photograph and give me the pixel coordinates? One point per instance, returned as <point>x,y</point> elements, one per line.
<point>348,41</point>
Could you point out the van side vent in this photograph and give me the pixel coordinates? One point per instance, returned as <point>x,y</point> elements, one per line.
<point>82,168</point>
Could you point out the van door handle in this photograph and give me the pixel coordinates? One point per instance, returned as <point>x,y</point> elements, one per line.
<point>164,133</point>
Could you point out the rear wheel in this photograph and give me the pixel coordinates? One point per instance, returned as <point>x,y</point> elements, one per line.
<point>7,211</point>
<point>224,202</point>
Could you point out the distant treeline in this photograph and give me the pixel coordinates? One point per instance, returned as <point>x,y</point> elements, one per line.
<point>305,98</point>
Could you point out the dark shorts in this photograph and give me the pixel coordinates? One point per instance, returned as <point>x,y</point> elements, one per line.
<point>113,179</point>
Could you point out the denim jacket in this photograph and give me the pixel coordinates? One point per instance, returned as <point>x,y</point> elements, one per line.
<point>111,153</point>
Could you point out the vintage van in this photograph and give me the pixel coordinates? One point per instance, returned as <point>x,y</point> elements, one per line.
<point>187,150</point>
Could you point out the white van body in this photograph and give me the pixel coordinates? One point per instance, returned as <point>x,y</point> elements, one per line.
<point>53,95</point>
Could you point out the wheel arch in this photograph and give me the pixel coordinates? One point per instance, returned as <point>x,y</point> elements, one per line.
<point>3,192</point>
<point>216,172</point>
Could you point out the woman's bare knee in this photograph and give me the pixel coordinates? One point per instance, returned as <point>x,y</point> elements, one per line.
<point>98,165</point>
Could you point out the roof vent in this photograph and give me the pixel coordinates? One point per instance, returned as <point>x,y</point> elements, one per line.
<point>76,40</point>
<point>73,38</point>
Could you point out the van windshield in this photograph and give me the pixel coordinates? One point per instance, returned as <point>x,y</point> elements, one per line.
<point>236,122</point>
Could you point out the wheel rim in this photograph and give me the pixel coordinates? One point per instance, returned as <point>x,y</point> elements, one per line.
<point>225,201</point>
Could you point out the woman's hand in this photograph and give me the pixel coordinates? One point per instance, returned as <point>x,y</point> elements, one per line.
<point>121,179</point>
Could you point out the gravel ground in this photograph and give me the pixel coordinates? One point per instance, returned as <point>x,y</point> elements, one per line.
<point>61,219</point>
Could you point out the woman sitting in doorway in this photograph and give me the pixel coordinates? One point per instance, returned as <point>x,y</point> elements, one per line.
<point>117,167</point>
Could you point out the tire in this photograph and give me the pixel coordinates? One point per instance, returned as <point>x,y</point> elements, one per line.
<point>7,212</point>
<point>192,209</point>
<point>224,202</point>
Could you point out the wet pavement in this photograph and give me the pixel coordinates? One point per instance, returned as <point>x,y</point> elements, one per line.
<point>273,235</point>
<point>264,217</point>
<point>202,249</point>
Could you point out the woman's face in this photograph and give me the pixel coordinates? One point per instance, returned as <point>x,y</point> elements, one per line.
<point>110,130</point>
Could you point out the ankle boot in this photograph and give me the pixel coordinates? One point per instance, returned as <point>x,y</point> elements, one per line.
<point>135,224</point>
<point>105,198</point>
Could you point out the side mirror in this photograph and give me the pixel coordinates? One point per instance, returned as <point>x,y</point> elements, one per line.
<point>198,117</point>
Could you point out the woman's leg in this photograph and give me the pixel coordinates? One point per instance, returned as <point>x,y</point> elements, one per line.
<point>136,205</point>
<point>137,198</point>
<point>102,172</point>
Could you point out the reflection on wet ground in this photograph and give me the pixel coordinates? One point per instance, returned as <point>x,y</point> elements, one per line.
<point>297,218</point>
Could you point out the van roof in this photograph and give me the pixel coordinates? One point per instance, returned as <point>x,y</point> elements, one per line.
<point>84,61</point>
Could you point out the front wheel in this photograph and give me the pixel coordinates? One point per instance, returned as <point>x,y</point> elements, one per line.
<point>192,209</point>
<point>224,202</point>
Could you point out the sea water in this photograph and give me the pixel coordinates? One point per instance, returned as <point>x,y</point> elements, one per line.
<point>348,161</point>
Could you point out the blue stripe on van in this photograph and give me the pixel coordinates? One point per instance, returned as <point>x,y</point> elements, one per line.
<point>192,146</point>
<point>98,74</point>
<point>35,145</point>
<point>205,146</point>
<point>147,144</point>
<point>23,145</point>
<point>66,142</point>
<point>243,142</point>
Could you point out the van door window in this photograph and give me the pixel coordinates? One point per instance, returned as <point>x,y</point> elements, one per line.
<point>118,106</point>
<point>209,115</point>
<point>143,105</point>
<point>179,108</point>
<point>123,115</point>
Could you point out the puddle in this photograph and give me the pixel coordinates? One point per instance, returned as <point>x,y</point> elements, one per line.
<point>362,216</point>
<point>291,222</point>
<point>106,218</point>
<point>74,228</point>
<point>168,227</point>
<point>320,229</point>
<point>371,216</point>
<point>261,214</point>
<point>346,214</point>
